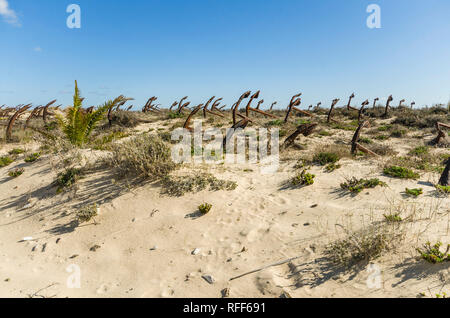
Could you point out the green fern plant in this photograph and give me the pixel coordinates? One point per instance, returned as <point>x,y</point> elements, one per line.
<point>78,124</point>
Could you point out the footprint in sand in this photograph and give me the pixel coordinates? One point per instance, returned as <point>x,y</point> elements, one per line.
<point>102,289</point>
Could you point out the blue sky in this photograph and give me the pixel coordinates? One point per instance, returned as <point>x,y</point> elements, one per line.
<point>200,48</point>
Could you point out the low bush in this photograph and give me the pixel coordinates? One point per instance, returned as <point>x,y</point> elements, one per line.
<point>5,161</point>
<point>303,179</point>
<point>33,157</point>
<point>414,192</point>
<point>433,254</point>
<point>145,156</point>
<point>355,185</point>
<point>15,173</point>
<point>400,172</point>
<point>324,158</point>
<point>204,208</point>
<point>179,185</point>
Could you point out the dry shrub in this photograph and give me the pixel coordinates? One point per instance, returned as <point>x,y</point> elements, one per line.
<point>125,118</point>
<point>179,185</point>
<point>366,244</point>
<point>382,150</point>
<point>145,156</point>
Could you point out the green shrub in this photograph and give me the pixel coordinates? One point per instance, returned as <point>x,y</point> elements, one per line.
<point>332,166</point>
<point>384,128</point>
<point>324,133</point>
<point>174,115</point>
<point>204,208</point>
<point>432,254</point>
<point>303,179</point>
<point>355,185</point>
<point>33,157</point>
<point>382,137</point>
<point>414,192</point>
<point>276,122</point>
<point>16,151</point>
<point>400,172</point>
<point>15,173</point>
<point>5,161</point>
<point>67,178</point>
<point>392,218</point>
<point>398,133</point>
<point>443,189</point>
<point>365,140</point>
<point>324,158</point>
<point>421,150</point>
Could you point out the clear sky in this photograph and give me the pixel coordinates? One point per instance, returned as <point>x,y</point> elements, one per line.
<point>200,48</point>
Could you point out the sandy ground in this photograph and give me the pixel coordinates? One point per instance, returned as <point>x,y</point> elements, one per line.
<point>145,240</point>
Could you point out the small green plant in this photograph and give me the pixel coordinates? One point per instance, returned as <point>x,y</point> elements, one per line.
<point>414,192</point>
<point>433,254</point>
<point>398,133</point>
<point>67,178</point>
<point>87,213</point>
<point>332,166</point>
<point>381,137</point>
<point>16,151</point>
<point>366,140</point>
<point>324,158</point>
<point>384,128</point>
<point>204,208</point>
<point>324,133</point>
<point>400,172</point>
<point>33,157</point>
<point>276,122</point>
<point>355,185</point>
<point>5,161</point>
<point>442,189</point>
<point>15,173</point>
<point>303,179</point>
<point>175,115</point>
<point>393,218</point>
<point>421,150</point>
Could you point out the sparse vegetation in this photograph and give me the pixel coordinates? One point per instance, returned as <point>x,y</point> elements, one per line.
<point>414,192</point>
<point>16,172</point>
<point>442,189</point>
<point>5,161</point>
<point>355,185</point>
<point>67,178</point>
<point>393,218</point>
<point>303,179</point>
<point>33,157</point>
<point>400,172</point>
<point>332,166</point>
<point>87,213</point>
<point>144,156</point>
<point>16,151</point>
<point>324,158</point>
<point>204,208</point>
<point>433,254</point>
<point>179,185</point>
<point>365,245</point>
